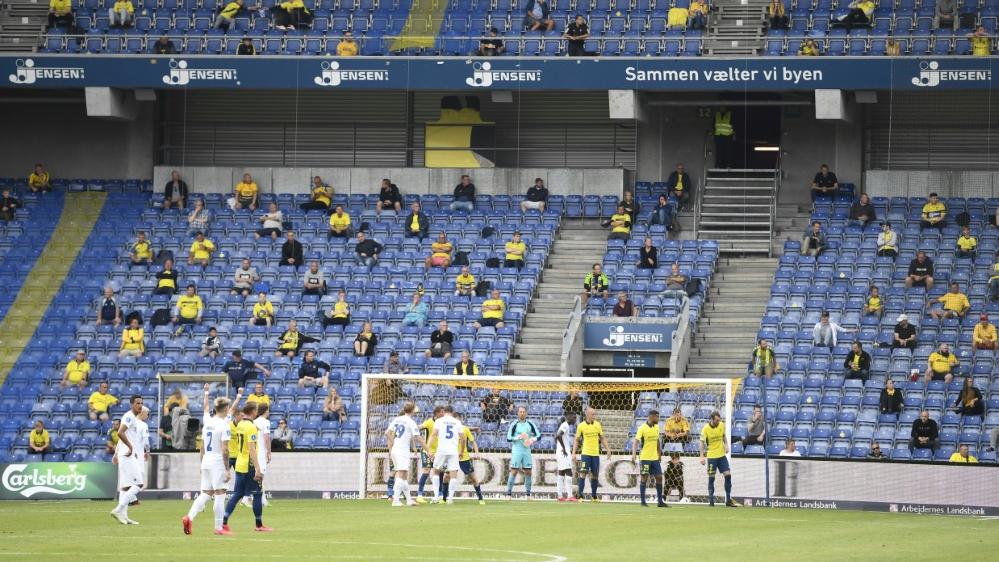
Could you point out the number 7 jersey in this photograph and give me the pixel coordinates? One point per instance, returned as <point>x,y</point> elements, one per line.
<point>213,432</point>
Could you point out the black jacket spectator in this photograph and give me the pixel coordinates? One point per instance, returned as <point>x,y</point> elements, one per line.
<point>464,192</point>
<point>8,206</point>
<point>927,429</point>
<point>891,403</point>
<point>978,409</point>
<point>180,186</point>
<point>389,196</point>
<point>826,181</point>
<point>575,47</point>
<point>165,47</point>
<point>648,257</point>
<point>921,269</point>
<point>313,369</point>
<point>858,210</point>
<point>674,178</point>
<point>368,247</point>
<point>292,249</point>
<point>865,360</point>
<point>422,220</point>
<point>904,333</point>
<point>535,194</point>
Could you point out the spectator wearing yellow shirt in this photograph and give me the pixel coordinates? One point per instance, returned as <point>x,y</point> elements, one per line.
<point>201,250</point>
<point>321,196</point>
<point>934,213</point>
<point>166,279</point>
<point>259,396</point>
<point>984,334</point>
<point>464,284</point>
<point>339,315</point>
<point>893,48</point>
<point>492,311</point>
<point>340,224</point>
<point>962,455</point>
<point>39,179</point>
<point>967,245</point>
<point>142,250</point>
<point>697,14</point>
<point>981,43</point>
<point>994,279</point>
<point>290,15</point>
<point>777,14</point>
<point>809,49</point>
<point>122,13</point>
<point>175,400</point>
<point>112,442</point>
<point>188,310</point>
<point>620,224</point>
<point>417,223</point>
<point>440,252</point>
<point>859,15</point>
<point>246,193</point>
<point>940,365</point>
<point>677,428</point>
<point>466,367</point>
<point>99,402</point>
<point>263,311</point>
<point>60,13</point>
<point>133,340</point>
<point>515,251</point>
<point>347,47</point>
<point>77,371</point>
<point>228,14</point>
<point>955,304</point>
<point>38,439</point>
<point>874,305</point>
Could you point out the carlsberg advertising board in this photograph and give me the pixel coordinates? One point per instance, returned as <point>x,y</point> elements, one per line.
<point>57,481</point>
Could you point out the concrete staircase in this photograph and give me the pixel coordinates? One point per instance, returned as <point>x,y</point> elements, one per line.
<point>736,28</point>
<point>726,331</point>
<point>735,209</point>
<point>578,246</point>
<point>21,25</point>
<point>790,224</point>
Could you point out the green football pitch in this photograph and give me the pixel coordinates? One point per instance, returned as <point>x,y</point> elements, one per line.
<point>497,532</point>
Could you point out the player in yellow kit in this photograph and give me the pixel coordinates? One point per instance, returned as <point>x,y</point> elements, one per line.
<point>427,454</point>
<point>589,437</point>
<point>650,451</point>
<point>249,471</point>
<point>713,449</point>
<point>465,460</point>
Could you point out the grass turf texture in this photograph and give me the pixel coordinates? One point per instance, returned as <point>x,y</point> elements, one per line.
<point>497,532</point>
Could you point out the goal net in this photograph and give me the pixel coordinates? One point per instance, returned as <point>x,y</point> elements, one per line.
<point>488,405</point>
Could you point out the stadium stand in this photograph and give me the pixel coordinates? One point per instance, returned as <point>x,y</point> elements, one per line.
<point>23,239</point>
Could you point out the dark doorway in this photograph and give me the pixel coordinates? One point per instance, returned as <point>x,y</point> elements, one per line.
<point>757,136</point>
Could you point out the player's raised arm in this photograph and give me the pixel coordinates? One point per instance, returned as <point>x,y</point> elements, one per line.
<point>205,404</point>
<point>235,403</point>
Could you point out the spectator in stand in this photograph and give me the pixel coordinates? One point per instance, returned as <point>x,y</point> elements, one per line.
<point>466,367</point>
<point>809,49</point>
<point>981,43</point>
<point>763,361</point>
<point>228,15</point>
<point>875,452</point>
<point>934,214</point>
<point>630,205</point>
<point>677,428</point>
<point>464,283</point>
<point>777,14</point>
<point>347,47</point>
<point>246,193</point>
<point>495,407</point>
<point>201,250</point>
<point>756,429</point>
<point>165,433</point>
<point>904,334</point>
<point>258,396</point>
<point>417,223</point>
<point>61,14</point>
<point>416,312</point>
<point>624,307</point>
<point>188,310</point>
<point>39,179</point>
<point>790,449</point>
<point>858,363</point>
<point>825,182</point>
<point>39,442</point>
<point>313,372</point>
<point>291,341</point>
<point>333,409</point>
<point>142,250</point>
<point>676,280</point>
<point>440,253</point>
<point>292,251</point>
<point>244,278</point>
<point>314,280</point>
<point>516,249</point>
<point>648,255</point>
<point>596,283</point>
<point>860,14</point>
<point>940,365</point>
<point>271,222</point>
<point>967,245</point>
<point>537,16</point>
<point>133,340</point>
<point>112,442</point>
<point>99,402</point>
<point>283,438</point>
<point>962,455</point>
<point>122,13</point>
<point>320,196</point>
<point>576,34</point>
<point>572,404</point>
<point>212,344</point>
<point>994,279</point>
<point>874,306</point>
<point>891,400</point>
<point>176,411</point>
<point>814,241</point>
<point>339,315</point>
<point>108,311</point>
<point>955,304</point>
<point>464,195</point>
<point>389,198</point>
<point>536,198</point>
<point>175,191</point>
<point>198,218</point>
<point>862,212</point>
<point>984,335</point>
<point>365,342</point>
<point>340,224</point>
<point>620,224</point>
<point>77,371</point>
<point>661,212</point>
<point>239,370</point>
<point>679,186</point>
<point>366,250</point>
<point>826,333</point>
<point>246,48</point>
<point>492,46</point>
<point>394,366</point>
<point>493,310</point>
<point>291,15</point>
<point>166,279</point>
<point>946,13</point>
<point>893,48</point>
<point>920,272</point>
<point>697,15</point>
<point>887,241</point>
<point>925,433</point>
<point>441,342</point>
<point>263,311</point>
<point>969,401</point>
<point>8,205</point>
<point>163,46</point>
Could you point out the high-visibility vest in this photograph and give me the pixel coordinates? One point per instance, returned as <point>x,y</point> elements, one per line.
<point>723,124</point>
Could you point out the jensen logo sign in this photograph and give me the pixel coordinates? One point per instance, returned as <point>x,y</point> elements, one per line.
<point>27,73</point>
<point>181,75</point>
<point>484,76</point>
<point>930,75</point>
<point>619,337</point>
<point>331,75</point>
<point>27,482</point>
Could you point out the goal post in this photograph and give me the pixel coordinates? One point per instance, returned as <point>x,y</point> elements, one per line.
<point>488,404</point>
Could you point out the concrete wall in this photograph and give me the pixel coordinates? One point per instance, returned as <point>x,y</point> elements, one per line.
<point>669,135</point>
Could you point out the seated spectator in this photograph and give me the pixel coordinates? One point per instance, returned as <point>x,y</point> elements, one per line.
<point>466,366</point>
<point>212,344</point>
<point>934,213</point>
<point>763,360</point>
<point>198,219</point>
<point>648,255</point>
<point>263,311</point>
<point>874,306</point>
<point>313,372</point>
<point>347,47</point>
<point>246,193</point>
<point>239,370</point>
<point>891,399</point>
<point>440,252</point>
<point>809,49</point>
<point>176,413</point>
<point>133,340</point>
<point>825,183</point>
<point>201,250</point>
<point>925,433</point>
<point>99,402</point>
<point>790,449</point>
<point>464,195</point>
<point>756,429</point>
<point>676,280</point>
<point>290,15</point>
<point>920,272</point>
<point>492,46</point>
<point>244,278</point>
<point>576,34</point>
<point>661,212</point>
<point>679,185</point>
<point>967,245</point>
<point>572,404</point>
<point>981,43</point>
<point>61,14</point>
<point>175,191</point>
<point>994,279</point>
<point>77,371</point>
<point>228,15</point>
<point>112,442</point>
<point>389,198</point>
<point>39,442</point>
<point>166,279</point>
<point>188,310</point>
<point>340,224</point>
<point>464,283</point>
<point>857,363</point>
<point>860,14</point>
<point>862,212</point>
<point>904,334</point>
<point>164,46</point>
<point>283,438</point>
<point>246,48</point>
<point>314,280</point>
<point>366,250</point>
<point>620,224</point>
<point>887,241</point>
<point>946,13</point>
<point>271,222</point>
<point>940,364</point>
<point>417,223</point>
<point>291,341</point>
<point>333,409</point>
<point>875,452</point>
<point>984,335</point>
<point>416,312</point>
<point>624,308</point>
<point>537,16</point>
<point>969,401</point>
<point>596,283</point>
<point>365,342</point>
<point>165,433</point>
<point>108,311</point>
<point>39,179</point>
<point>394,366</point>
<point>777,15</point>
<point>321,196</point>
<point>697,15</point>
<point>495,407</point>
<point>339,315</point>
<point>955,304</point>
<point>536,198</point>
<point>631,205</point>
<point>893,48</point>
<point>122,13</point>
<point>516,249</point>
<point>493,310</point>
<point>962,455</point>
<point>258,396</point>
<point>292,251</point>
<point>814,240</point>
<point>142,250</point>
<point>441,342</point>
<point>826,333</point>
<point>8,205</point>
<point>677,428</point>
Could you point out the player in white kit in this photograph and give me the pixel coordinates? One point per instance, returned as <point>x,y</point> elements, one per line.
<point>215,472</point>
<point>563,457</point>
<point>401,433</point>
<point>450,436</point>
<point>263,425</point>
<point>130,456</point>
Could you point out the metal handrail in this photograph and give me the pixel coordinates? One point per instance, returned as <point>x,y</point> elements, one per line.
<point>699,192</point>
<point>773,204</point>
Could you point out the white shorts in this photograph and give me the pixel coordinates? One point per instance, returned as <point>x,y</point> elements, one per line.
<point>131,472</point>
<point>213,478</point>
<point>448,463</point>
<point>401,460</point>
<point>563,462</point>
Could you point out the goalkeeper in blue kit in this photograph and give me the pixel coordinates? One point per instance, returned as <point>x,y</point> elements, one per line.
<point>522,433</point>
